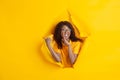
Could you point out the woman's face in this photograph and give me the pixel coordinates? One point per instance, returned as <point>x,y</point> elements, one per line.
<point>65,32</point>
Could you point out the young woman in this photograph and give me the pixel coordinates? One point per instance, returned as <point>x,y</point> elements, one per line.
<point>64,46</point>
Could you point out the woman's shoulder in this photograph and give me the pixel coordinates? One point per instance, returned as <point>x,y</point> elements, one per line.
<point>74,43</point>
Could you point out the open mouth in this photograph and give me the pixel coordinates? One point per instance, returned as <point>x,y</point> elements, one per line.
<point>66,35</point>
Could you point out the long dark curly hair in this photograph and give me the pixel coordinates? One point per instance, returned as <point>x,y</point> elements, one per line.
<point>57,33</point>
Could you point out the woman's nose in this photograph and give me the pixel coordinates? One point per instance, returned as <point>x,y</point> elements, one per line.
<point>66,32</point>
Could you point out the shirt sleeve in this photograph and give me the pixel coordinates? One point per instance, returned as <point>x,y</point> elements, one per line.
<point>76,47</point>
<point>54,45</point>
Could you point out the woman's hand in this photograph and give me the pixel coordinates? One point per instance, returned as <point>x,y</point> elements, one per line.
<point>48,41</point>
<point>66,42</point>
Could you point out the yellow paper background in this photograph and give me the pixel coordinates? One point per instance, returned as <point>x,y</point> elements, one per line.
<point>23,24</point>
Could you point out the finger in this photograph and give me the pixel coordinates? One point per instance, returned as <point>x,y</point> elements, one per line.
<point>64,38</point>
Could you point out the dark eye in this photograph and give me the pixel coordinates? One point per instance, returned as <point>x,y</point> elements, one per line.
<point>63,29</point>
